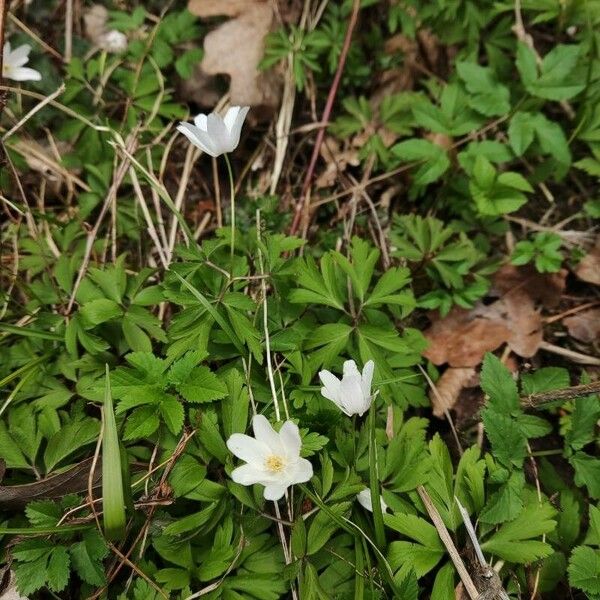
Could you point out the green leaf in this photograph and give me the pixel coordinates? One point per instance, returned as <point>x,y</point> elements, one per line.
<point>171,412</point>
<point>323,526</point>
<point>498,383</point>
<point>141,423</point>
<point>87,556</point>
<point>202,386</point>
<point>587,472</point>
<point>443,586</point>
<point>434,158</point>
<point>512,541</point>
<point>58,569</point>
<point>509,444</point>
<point>113,499</point>
<point>584,570</point>
<point>544,380</point>
<point>68,439</point>
<point>100,311</point>
<point>583,421</point>
<point>506,503</point>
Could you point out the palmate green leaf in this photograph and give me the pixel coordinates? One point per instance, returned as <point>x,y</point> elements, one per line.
<point>10,451</point>
<point>509,443</point>
<point>593,534</point>
<point>434,160</point>
<point>319,287</point>
<point>587,472</point>
<point>202,385</point>
<point>58,569</point>
<point>443,586</point>
<point>31,576</point>
<point>584,570</point>
<point>331,340</point>
<point>507,502</point>
<point>234,406</point>
<point>513,541</point>
<point>43,513</point>
<point>87,556</point>
<point>100,311</point>
<point>419,556</point>
<point>323,526</point>
<point>141,423</point>
<point>361,266</point>
<point>498,384</point>
<point>545,379</point>
<point>171,412</point>
<point>583,421</point>
<point>386,290</point>
<point>68,439</point>
<point>487,95</point>
<point>186,476</point>
<point>210,436</point>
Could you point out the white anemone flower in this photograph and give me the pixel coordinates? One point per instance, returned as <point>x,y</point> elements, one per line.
<point>272,459</point>
<point>214,134</point>
<point>13,61</point>
<point>364,499</point>
<point>353,393</point>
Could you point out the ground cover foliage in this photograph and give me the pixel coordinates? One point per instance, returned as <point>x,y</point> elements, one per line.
<point>416,185</point>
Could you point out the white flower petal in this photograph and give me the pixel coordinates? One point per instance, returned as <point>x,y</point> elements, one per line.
<point>289,434</point>
<point>367,377</point>
<point>351,396</point>
<point>247,475</point>
<point>274,491</point>
<point>218,133</point>
<point>234,119</point>
<point>199,138</point>
<point>332,383</point>
<point>24,74</point>
<point>19,56</point>
<point>264,432</point>
<point>364,499</point>
<point>303,471</point>
<point>230,117</point>
<point>201,122</point>
<point>247,448</point>
<point>6,50</point>
<point>350,369</point>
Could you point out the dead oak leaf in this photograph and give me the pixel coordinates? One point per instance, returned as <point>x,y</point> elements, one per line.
<point>236,47</point>
<point>584,326</point>
<point>588,268</point>
<point>448,388</point>
<point>462,338</point>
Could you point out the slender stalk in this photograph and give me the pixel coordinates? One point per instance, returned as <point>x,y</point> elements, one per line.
<point>374,482</point>
<point>232,189</point>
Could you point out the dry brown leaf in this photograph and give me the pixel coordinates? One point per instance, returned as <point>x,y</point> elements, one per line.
<point>463,337</point>
<point>448,388</point>
<point>584,326</point>
<point>336,161</point>
<point>236,47</point>
<point>546,288</point>
<point>588,268</point>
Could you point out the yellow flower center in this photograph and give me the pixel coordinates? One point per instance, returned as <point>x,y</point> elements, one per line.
<point>275,464</point>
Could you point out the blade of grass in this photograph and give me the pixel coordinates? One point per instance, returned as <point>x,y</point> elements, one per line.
<point>213,313</point>
<point>374,483</point>
<point>44,530</point>
<point>31,332</point>
<point>112,478</point>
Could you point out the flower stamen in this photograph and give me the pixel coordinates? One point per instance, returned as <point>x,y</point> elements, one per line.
<point>275,464</point>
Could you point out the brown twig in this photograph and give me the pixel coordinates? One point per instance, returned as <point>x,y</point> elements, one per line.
<point>302,203</point>
<point>448,543</point>
<point>578,391</point>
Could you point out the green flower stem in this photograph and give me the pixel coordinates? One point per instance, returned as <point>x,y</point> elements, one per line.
<point>374,482</point>
<point>232,188</point>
